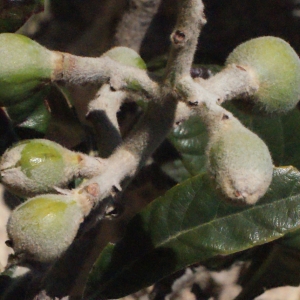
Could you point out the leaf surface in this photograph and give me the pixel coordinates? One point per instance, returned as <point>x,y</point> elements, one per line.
<point>190,139</point>
<point>191,224</point>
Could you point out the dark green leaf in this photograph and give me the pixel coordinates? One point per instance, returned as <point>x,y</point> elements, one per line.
<point>190,139</point>
<point>191,224</point>
<point>38,120</point>
<point>291,135</point>
<point>13,14</point>
<point>7,134</point>
<point>21,111</point>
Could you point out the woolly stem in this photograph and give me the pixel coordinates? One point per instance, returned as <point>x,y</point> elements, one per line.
<point>231,82</point>
<point>80,70</point>
<point>184,39</point>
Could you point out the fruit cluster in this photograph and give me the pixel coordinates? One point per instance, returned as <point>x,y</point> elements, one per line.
<point>238,160</point>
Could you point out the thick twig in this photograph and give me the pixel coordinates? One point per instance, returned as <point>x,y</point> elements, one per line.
<point>156,122</point>
<point>81,70</point>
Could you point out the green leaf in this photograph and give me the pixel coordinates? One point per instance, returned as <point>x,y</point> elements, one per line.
<point>190,139</point>
<point>7,134</point>
<point>38,120</point>
<point>13,14</point>
<point>291,135</point>
<point>21,111</point>
<point>191,224</point>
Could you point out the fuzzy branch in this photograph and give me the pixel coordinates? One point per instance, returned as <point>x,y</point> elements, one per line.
<point>81,70</point>
<point>184,39</point>
<point>232,82</point>
<point>172,99</point>
<point>157,120</point>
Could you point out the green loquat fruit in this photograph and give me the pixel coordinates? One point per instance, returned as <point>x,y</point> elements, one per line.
<point>276,67</point>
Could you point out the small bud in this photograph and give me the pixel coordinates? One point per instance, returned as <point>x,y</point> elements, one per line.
<point>276,67</point>
<point>25,67</point>
<point>239,161</point>
<point>37,166</point>
<point>43,227</point>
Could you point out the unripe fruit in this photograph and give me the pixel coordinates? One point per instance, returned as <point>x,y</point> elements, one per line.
<point>276,67</point>
<point>127,57</point>
<point>25,67</point>
<point>43,227</point>
<point>239,162</point>
<point>37,166</point>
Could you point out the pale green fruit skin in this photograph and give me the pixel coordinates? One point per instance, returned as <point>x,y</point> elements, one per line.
<point>240,163</point>
<point>130,58</point>
<point>277,68</point>
<point>126,56</point>
<point>25,66</point>
<point>37,166</point>
<point>43,227</point>
<point>42,161</point>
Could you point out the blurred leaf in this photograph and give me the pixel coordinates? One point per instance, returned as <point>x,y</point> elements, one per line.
<point>176,170</point>
<point>13,14</point>
<point>21,111</point>
<point>67,130</point>
<point>291,135</point>
<point>282,263</point>
<point>191,224</point>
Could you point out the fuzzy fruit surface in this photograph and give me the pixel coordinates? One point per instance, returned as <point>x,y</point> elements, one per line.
<point>25,67</point>
<point>37,166</point>
<point>126,56</point>
<point>240,162</point>
<point>43,227</point>
<point>42,162</point>
<point>130,58</point>
<point>277,68</point>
